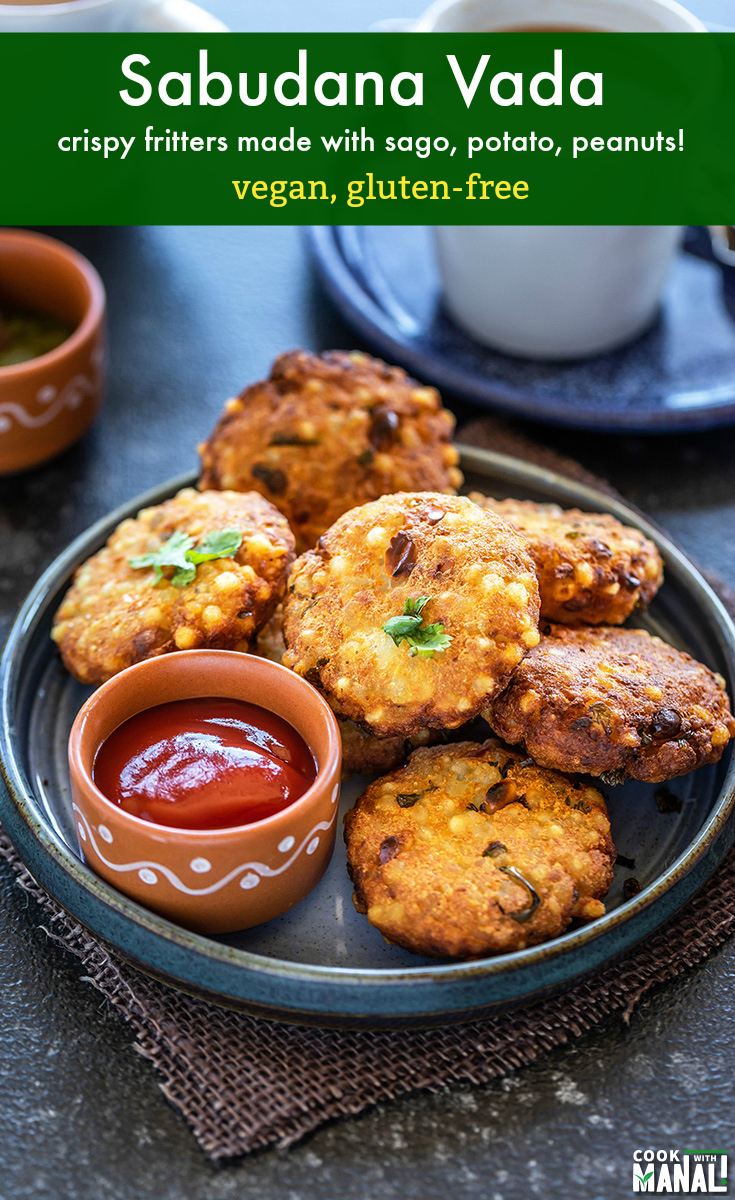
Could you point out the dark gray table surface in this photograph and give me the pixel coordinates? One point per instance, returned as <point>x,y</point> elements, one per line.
<point>194,314</point>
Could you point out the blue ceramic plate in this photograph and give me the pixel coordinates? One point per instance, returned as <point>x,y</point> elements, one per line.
<point>680,375</point>
<point>322,963</point>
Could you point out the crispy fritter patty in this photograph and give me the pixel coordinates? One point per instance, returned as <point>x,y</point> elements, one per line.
<point>114,616</point>
<point>327,432</point>
<point>614,702</point>
<point>362,754</point>
<point>591,568</point>
<point>468,851</point>
<point>270,643</point>
<point>481,586</point>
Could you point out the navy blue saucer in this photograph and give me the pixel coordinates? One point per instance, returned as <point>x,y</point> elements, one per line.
<point>679,375</point>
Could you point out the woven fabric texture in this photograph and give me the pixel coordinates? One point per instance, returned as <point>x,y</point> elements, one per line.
<point>243,1083</point>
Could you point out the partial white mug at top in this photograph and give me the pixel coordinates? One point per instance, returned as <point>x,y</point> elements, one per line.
<point>103,16</point>
<point>555,291</point>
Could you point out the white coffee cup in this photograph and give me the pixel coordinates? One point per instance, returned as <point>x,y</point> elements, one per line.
<point>613,16</point>
<point>114,16</point>
<point>555,291</point>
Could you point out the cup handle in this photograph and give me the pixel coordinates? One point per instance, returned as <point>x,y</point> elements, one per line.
<point>177,16</point>
<point>394,25</point>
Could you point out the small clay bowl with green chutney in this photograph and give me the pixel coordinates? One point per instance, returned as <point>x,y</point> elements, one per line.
<point>52,347</point>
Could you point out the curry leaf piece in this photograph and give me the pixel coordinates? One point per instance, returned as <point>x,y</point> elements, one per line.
<point>535,899</point>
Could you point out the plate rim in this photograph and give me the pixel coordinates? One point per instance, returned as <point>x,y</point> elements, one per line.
<point>349,979</point>
<point>360,310</point>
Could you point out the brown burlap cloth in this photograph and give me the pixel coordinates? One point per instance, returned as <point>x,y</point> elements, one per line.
<point>242,1083</point>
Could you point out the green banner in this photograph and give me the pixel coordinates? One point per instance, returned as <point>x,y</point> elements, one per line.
<point>371,129</point>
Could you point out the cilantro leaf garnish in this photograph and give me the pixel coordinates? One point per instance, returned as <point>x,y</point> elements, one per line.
<point>422,639</point>
<point>180,552</point>
<point>221,543</point>
<point>414,608</point>
<point>171,553</point>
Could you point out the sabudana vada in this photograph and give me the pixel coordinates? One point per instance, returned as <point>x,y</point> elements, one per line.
<point>614,703</point>
<point>592,569</point>
<point>239,549</point>
<point>468,851</point>
<point>327,432</point>
<point>362,754</point>
<point>412,612</point>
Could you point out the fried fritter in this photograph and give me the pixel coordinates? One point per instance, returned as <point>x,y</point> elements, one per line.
<point>591,568</point>
<point>468,851</point>
<point>270,643</point>
<point>362,754</point>
<point>614,702</point>
<point>465,569</point>
<point>327,432</point>
<point>114,615</point>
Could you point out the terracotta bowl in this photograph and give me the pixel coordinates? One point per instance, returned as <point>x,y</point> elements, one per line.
<point>220,880</point>
<point>50,401</point>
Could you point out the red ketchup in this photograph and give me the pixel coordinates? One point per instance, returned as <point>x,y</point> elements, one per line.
<point>204,764</point>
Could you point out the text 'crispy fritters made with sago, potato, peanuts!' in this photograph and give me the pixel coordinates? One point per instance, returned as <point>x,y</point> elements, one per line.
<point>468,851</point>
<point>326,432</point>
<point>592,569</point>
<point>412,612</point>
<point>115,615</point>
<point>614,702</point>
